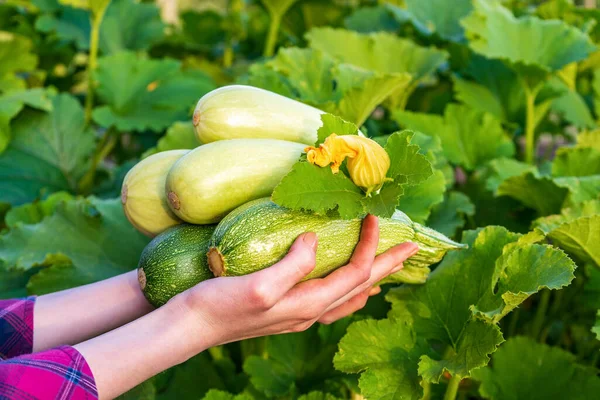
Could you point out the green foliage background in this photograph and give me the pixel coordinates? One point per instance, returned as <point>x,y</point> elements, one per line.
<point>501,97</point>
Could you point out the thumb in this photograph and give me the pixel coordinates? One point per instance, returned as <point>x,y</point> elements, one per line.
<point>285,274</point>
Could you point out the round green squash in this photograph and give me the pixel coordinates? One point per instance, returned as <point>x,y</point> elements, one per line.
<point>174,261</point>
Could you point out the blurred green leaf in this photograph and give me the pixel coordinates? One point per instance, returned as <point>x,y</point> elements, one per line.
<point>11,104</point>
<point>49,152</point>
<point>469,137</point>
<point>380,52</point>
<point>142,93</point>
<point>579,161</point>
<point>371,19</point>
<point>435,17</point>
<point>522,356</point>
<point>448,216</point>
<point>72,257</point>
<point>180,135</point>
<point>542,46</point>
<point>15,58</point>
<point>127,25</point>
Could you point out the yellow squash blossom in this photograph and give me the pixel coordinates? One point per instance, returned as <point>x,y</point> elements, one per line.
<point>368,162</point>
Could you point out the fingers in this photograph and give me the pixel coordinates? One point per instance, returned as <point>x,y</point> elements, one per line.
<point>358,271</point>
<point>384,265</point>
<point>269,285</point>
<point>354,304</point>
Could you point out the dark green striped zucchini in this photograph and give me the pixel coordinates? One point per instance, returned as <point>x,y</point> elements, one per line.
<point>174,261</point>
<point>259,233</point>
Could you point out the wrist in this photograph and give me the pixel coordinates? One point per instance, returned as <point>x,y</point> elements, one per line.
<point>194,330</point>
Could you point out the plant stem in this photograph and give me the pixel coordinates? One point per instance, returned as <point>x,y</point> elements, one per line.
<point>540,315</point>
<point>452,388</point>
<point>228,55</point>
<point>105,146</point>
<point>96,21</point>
<point>530,124</point>
<point>272,35</point>
<point>426,391</point>
<point>512,326</point>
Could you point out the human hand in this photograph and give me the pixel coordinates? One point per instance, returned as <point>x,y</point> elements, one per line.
<point>273,300</point>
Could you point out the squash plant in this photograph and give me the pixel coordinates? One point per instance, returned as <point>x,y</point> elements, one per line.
<point>488,111</point>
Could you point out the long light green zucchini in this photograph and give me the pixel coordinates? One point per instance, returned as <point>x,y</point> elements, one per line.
<point>213,179</point>
<point>143,193</point>
<point>246,112</point>
<point>259,233</point>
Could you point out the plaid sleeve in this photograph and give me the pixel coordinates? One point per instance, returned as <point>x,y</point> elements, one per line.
<point>60,373</point>
<point>16,327</point>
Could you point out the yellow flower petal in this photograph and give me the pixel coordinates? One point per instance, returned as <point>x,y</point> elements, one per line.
<point>368,162</point>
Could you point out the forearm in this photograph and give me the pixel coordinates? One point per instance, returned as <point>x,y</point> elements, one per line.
<point>74,315</point>
<point>133,353</point>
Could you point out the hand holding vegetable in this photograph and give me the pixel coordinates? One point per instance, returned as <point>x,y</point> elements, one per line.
<point>227,309</point>
<point>273,301</point>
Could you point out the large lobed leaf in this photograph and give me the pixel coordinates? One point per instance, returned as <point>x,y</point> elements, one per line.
<point>521,368</point>
<point>316,78</point>
<point>12,102</point>
<point>469,137</point>
<point>15,58</point>
<point>452,311</point>
<point>49,152</point>
<point>435,17</point>
<point>527,42</point>
<point>297,362</point>
<point>576,229</point>
<point>127,25</point>
<point>382,53</point>
<point>103,245</point>
<point>143,94</point>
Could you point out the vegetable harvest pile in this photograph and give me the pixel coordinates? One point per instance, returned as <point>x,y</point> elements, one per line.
<point>200,140</point>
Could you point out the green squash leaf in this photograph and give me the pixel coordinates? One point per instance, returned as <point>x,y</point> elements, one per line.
<point>469,137</point>
<point>94,251</point>
<point>418,200</point>
<point>127,25</point>
<point>538,192</point>
<point>15,58</point>
<point>589,139</point>
<point>48,153</point>
<point>578,161</point>
<point>435,17</point>
<point>13,102</point>
<point>334,124</point>
<point>449,216</point>
<point>180,135</point>
<point>542,46</point>
<point>575,229</point>
<point>145,94</point>
<point>371,19</point>
<point>449,309</point>
<point>33,213</point>
<point>296,361</point>
<point>405,159</point>
<point>317,189</point>
<point>380,52</point>
<point>523,357</point>
<point>215,394</point>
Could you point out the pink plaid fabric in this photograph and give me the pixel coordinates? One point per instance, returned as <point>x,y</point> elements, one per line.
<point>60,373</point>
<point>16,327</point>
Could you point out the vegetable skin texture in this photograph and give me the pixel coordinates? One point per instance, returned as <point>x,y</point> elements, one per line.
<point>246,112</point>
<point>174,261</point>
<point>210,181</point>
<point>143,193</point>
<point>260,233</point>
